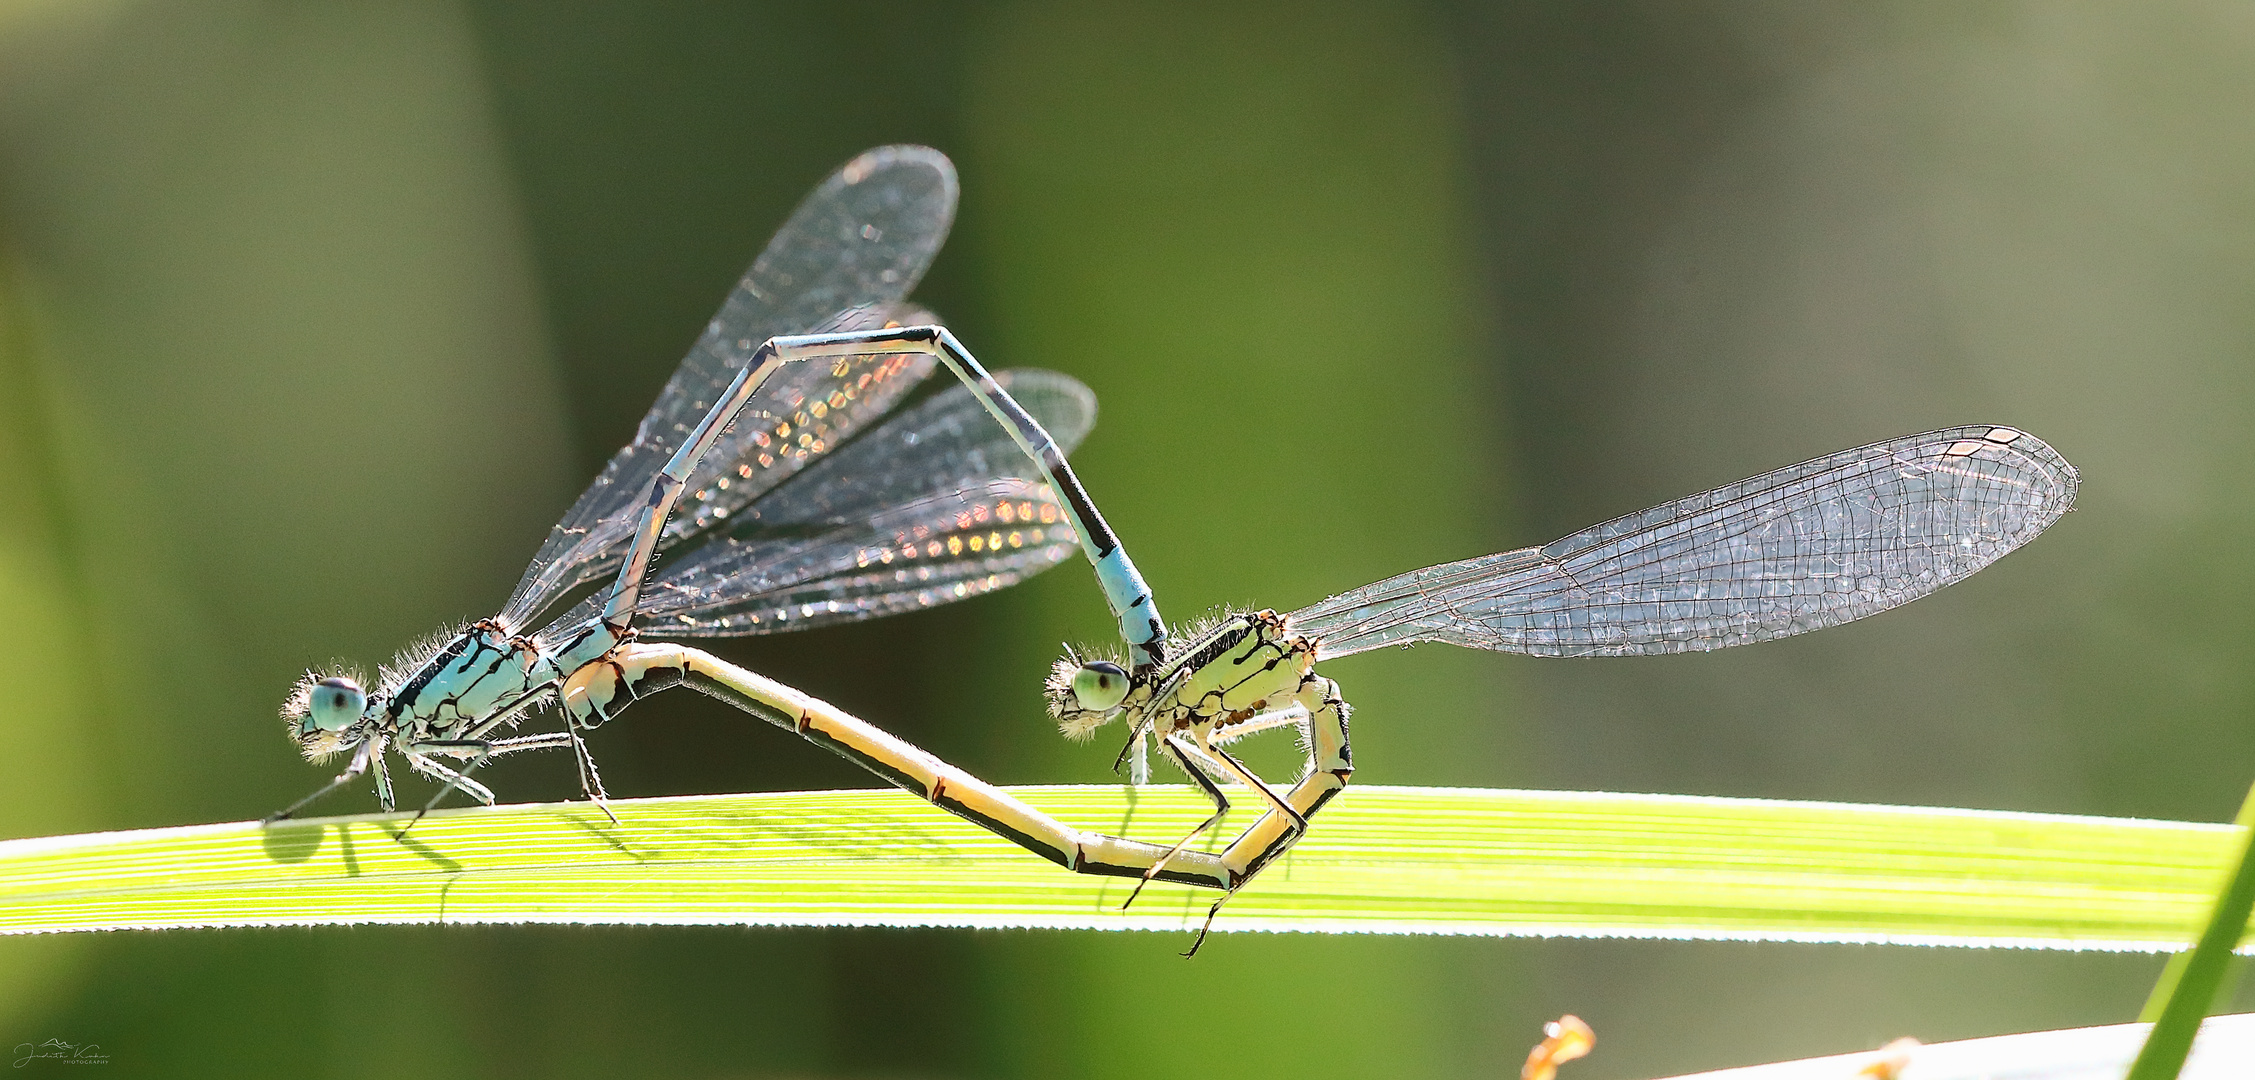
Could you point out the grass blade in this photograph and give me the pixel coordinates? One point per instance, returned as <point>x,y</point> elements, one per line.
<point>1381,860</point>
<point>2188,986</point>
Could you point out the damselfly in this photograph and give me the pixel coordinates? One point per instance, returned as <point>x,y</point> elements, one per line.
<point>810,516</point>
<point>816,506</point>
<point>1798,549</point>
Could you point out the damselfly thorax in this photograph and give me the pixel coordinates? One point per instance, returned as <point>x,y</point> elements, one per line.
<point>1243,667</point>
<point>485,677</point>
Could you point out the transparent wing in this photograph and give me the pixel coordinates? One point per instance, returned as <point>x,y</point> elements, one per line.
<point>844,260</point>
<point>923,553</point>
<point>934,550</point>
<point>1799,549</point>
<point>867,530</point>
<point>947,442</point>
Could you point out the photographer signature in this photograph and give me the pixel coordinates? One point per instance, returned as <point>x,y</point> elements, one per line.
<point>70,1053</point>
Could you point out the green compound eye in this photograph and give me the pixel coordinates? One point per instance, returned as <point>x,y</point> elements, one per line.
<point>336,704</point>
<point>1100,685</point>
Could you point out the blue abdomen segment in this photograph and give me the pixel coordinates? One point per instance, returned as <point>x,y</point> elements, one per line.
<point>1128,596</point>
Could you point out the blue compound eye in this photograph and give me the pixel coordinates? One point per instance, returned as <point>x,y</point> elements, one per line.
<point>1100,685</point>
<point>335,705</point>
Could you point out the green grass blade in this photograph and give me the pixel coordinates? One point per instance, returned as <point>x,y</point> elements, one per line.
<point>1380,860</point>
<point>2188,986</point>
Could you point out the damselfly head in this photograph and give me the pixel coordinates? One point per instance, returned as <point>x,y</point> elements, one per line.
<point>1083,695</point>
<point>323,712</point>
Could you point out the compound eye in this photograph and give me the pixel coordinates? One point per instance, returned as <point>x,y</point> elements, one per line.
<point>336,705</point>
<point>1100,685</point>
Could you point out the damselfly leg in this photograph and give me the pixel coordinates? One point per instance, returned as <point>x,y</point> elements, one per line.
<point>475,753</point>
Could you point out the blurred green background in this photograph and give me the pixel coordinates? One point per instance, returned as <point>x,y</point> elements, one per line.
<point>313,317</point>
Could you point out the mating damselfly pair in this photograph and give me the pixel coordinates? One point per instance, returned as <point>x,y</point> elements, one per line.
<point>813,499</point>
